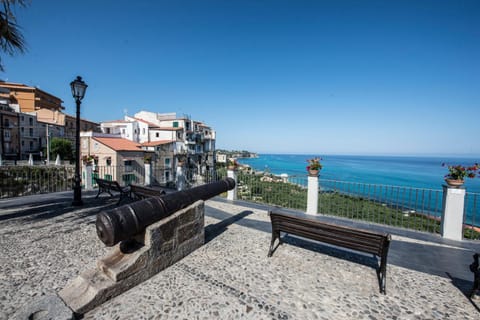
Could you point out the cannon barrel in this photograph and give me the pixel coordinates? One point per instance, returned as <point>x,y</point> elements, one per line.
<point>124,222</point>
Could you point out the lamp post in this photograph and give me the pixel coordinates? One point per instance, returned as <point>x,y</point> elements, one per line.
<point>78,92</point>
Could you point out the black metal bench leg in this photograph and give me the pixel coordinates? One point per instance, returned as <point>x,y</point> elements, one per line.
<point>475,268</point>
<point>99,191</point>
<point>383,275</point>
<point>275,235</point>
<point>122,196</point>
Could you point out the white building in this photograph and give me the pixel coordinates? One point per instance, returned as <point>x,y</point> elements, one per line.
<point>192,142</point>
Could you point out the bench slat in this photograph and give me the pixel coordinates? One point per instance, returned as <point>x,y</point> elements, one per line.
<point>371,243</point>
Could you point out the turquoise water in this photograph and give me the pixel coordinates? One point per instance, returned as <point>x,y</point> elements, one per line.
<point>417,172</point>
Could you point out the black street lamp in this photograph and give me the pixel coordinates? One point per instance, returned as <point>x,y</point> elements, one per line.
<point>78,92</point>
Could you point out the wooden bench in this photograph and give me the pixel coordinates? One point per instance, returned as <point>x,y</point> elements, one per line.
<point>142,192</point>
<point>109,186</point>
<point>351,238</point>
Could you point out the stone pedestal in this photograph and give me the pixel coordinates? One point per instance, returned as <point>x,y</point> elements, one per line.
<point>312,194</point>
<point>180,178</point>
<point>88,170</point>
<point>148,174</point>
<point>452,213</point>
<point>232,194</point>
<point>132,262</point>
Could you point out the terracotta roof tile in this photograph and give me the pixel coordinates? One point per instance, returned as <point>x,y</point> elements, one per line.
<point>119,144</point>
<point>156,143</point>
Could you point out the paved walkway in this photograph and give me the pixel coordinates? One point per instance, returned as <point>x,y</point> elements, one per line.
<point>45,243</point>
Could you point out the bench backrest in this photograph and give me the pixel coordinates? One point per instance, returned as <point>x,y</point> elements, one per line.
<point>352,238</point>
<point>144,192</point>
<point>108,184</point>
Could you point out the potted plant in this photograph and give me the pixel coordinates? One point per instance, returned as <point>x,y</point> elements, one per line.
<point>457,173</point>
<point>147,158</point>
<point>89,159</point>
<point>314,166</point>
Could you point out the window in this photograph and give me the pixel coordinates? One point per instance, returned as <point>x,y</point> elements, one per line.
<point>167,161</point>
<point>107,130</point>
<point>30,131</point>
<point>175,124</point>
<point>21,129</point>
<point>123,131</point>
<point>157,135</point>
<point>128,165</point>
<point>143,130</point>
<point>135,131</point>
<point>6,134</point>
<point>167,175</point>
<point>23,118</point>
<point>109,161</point>
<point>128,178</point>
<point>23,143</point>
<point>31,145</point>
<point>30,120</point>
<point>7,123</point>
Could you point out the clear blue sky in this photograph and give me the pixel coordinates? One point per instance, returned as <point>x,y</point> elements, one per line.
<point>324,77</point>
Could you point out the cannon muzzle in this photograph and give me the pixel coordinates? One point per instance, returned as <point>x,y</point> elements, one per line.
<point>124,222</point>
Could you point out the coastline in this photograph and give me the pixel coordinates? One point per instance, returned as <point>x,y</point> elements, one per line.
<point>406,171</point>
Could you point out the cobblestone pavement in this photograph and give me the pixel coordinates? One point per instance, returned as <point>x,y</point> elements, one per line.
<point>45,244</point>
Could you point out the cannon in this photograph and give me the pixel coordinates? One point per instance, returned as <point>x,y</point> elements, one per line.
<point>125,222</point>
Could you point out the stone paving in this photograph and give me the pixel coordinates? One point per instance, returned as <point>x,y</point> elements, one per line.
<point>45,244</point>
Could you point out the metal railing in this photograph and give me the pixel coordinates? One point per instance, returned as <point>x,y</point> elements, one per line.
<point>287,192</point>
<point>124,175</point>
<point>17,181</point>
<point>471,218</point>
<point>406,207</point>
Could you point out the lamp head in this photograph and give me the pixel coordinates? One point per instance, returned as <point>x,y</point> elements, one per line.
<point>78,88</point>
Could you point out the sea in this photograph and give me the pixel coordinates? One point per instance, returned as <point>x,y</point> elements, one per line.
<point>408,171</point>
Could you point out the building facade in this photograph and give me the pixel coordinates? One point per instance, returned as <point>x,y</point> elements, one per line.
<point>115,158</point>
<point>29,98</point>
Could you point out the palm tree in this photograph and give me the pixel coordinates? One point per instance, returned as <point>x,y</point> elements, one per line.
<point>11,39</point>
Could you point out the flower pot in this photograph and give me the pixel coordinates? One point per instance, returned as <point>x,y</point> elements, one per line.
<point>454,182</point>
<point>313,173</point>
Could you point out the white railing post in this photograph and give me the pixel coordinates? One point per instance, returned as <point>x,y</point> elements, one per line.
<point>232,194</point>
<point>148,174</point>
<point>312,194</point>
<point>180,177</point>
<point>88,170</point>
<point>452,212</point>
